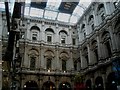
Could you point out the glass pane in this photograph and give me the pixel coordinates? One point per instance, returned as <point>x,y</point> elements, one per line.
<point>63,40</point>
<point>26,11</point>
<point>35,12</point>
<point>53,4</point>
<point>85,3</point>
<point>2,6</point>
<point>64,17</point>
<point>50,15</point>
<point>49,38</point>
<point>73,19</point>
<point>78,11</point>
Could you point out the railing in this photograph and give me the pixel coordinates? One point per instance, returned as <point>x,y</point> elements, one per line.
<point>47,72</point>
<point>47,43</point>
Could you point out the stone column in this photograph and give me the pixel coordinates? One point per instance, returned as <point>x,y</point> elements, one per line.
<point>1,51</point>
<point>99,47</point>
<point>83,61</point>
<point>92,81</point>
<point>70,36</point>
<point>107,8</point>
<point>71,61</point>
<point>57,58</point>
<point>57,35</point>
<point>0,64</point>
<point>89,55</point>
<point>42,32</point>
<point>113,38</point>
<point>104,81</point>
<point>95,17</point>
<point>28,33</point>
<point>26,56</point>
<point>42,57</point>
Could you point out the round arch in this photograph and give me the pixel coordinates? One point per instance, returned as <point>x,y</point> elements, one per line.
<point>49,30</point>
<point>63,31</point>
<point>100,6</point>
<point>48,86</point>
<point>30,85</point>
<point>35,28</point>
<point>65,86</point>
<point>90,18</point>
<point>99,83</point>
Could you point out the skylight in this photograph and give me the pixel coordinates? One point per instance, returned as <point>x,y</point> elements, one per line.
<point>53,5</point>
<point>63,17</point>
<point>59,10</point>
<point>50,15</point>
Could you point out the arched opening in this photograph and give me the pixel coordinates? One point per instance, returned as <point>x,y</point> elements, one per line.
<point>94,48</point>
<point>88,85</point>
<point>49,30</point>
<point>30,85</point>
<point>35,28</point>
<point>65,86</point>
<point>100,7</point>
<point>111,82</point>
<point>107,43</point>
<point>99,83</point>
<point>48,86</point>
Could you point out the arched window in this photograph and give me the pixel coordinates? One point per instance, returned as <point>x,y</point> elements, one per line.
<point>75,65</point>
<point>83,30</point>
<point>63,36</point>
<point>49,55</point>
<point>33,57</point>
<point>49,63</point>
<point>106,42</point>
<point>91,21</point>
<point>32,62</point>
<point>64,65</point>
<point>101,11</point>
<point>94,48</point>
<point>64,57</point>
<point>49,35</point>
<point>34,33</point>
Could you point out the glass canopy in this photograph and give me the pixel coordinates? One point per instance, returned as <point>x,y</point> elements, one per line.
<point>60,10</point>
<point>68,11</point>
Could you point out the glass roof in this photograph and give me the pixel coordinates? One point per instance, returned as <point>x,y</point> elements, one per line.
<point>53,10</point>
<point>68,11</point>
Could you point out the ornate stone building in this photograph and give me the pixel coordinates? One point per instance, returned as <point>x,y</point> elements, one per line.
<point>52,52</point>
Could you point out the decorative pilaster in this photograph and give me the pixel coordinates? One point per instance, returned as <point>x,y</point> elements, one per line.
<point>89,54</point>
<point>99,47</point>
<point>113,38</point>
<point>57,35</point>
<point>42,57</point>
<point>42,32</point>
<point>71,60</point>
<point>83,64</point>
<point>57,58</point>
<point>95,17</point>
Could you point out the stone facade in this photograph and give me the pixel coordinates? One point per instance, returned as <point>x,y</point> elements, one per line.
<point>55,52</point>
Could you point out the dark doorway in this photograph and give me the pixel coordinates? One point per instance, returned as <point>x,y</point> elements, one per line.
<point>65,86</point>
<point>88,85</point>
<point>111,82</point>
<point>48,86</point>
<point>99,83</point>
<point>30,85</point>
